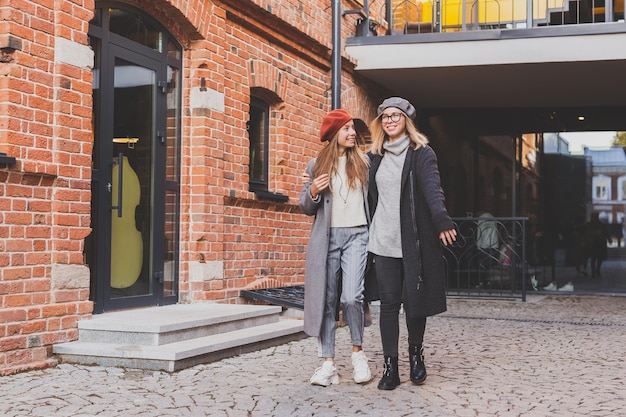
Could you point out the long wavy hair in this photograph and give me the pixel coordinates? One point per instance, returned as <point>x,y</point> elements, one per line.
<point>379,136</point>
<point>357,163</point>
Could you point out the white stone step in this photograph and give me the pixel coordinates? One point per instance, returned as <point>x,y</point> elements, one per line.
<point>176,337</point>
<point>175,356</point>
<point>167,324</point>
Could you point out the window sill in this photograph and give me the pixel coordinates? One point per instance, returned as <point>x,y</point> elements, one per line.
<point>6,160</point>
<point>271,196</point>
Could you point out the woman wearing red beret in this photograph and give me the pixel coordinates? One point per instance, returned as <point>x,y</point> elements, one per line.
<point>336,194</point>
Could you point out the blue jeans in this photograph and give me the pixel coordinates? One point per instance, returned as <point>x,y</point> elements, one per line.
<point>345,265</point>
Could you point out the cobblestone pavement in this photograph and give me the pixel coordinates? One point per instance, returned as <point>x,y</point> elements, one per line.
<point>555,355</point>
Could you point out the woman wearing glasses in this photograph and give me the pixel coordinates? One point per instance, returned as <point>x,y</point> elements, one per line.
<point>406,200</point>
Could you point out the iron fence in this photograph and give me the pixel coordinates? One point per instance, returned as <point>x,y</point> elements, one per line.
<point>489,258</point>
<point>394,17</point>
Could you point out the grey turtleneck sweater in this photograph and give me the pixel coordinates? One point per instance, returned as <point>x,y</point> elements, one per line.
<point>384,238</point>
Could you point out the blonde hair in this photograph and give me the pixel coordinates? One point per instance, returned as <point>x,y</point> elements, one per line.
<point>379,136</point>
<point>357,163</point>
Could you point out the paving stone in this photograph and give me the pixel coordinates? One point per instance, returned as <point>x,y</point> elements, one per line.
<point>558,355</point>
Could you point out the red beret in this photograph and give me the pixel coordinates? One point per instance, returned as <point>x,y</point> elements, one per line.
<point>333,122</point>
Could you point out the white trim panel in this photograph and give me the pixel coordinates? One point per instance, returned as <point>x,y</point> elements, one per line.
<point>603,47</point>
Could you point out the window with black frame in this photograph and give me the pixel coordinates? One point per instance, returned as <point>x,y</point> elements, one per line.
<point>258,134</point>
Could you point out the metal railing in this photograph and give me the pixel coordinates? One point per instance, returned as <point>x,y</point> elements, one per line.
<point>395,17</point>
<point>489,258</point>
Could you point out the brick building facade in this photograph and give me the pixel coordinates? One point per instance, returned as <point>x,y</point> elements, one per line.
<point>61,96</point>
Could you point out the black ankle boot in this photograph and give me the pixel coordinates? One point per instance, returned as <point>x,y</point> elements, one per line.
<point>390,379</point>
<point>418,368</point>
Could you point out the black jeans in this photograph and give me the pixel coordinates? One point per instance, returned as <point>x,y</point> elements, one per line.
<point>389,276</point>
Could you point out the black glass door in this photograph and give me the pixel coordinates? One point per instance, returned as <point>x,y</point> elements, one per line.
<point>135,191</point>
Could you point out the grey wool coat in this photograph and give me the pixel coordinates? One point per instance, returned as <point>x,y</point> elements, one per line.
<point>423,217</point>
<point>317,252</point>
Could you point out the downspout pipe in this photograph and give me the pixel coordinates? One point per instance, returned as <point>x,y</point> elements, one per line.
<point>336,56</point>
<point>389,15</point>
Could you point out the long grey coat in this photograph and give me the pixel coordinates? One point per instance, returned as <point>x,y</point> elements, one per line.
<point>423,217</point>
<point>317,252</point>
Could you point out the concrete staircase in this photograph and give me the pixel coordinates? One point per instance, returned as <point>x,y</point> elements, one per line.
<point>175,337</point>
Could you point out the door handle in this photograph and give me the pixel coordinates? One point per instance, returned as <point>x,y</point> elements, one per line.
<point>120,182</point>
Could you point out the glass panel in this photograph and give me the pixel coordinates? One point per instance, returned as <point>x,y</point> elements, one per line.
<point>171,243</point>
<point>136,28</point>
<point>132,161</point>
<point>173,51</point>
<point>257,131</point>
<point>172,129</point>
<point>170,283</point>
<point>90,249</point>
<point>95,92</point>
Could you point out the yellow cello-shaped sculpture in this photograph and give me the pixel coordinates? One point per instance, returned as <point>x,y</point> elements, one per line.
<point>126,242</point>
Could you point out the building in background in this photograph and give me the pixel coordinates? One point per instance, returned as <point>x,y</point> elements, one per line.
<point>609,187</point>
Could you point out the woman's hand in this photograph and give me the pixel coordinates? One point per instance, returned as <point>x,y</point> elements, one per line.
<point>319,184</point>
<point>448,237</point>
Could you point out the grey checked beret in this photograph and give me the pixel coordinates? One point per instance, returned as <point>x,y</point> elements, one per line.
<point>398,103</point>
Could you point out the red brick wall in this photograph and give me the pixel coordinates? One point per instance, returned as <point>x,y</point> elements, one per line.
<point>258,243</point>
<point>45,123</point>
<point>230,239</point>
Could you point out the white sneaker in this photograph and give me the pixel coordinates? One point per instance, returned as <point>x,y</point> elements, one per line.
<point>550,287</point>
<point>362,371</point>
<point>325,375</point>
<point>567,287</point>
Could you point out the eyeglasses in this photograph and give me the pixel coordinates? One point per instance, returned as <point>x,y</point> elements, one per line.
<point>393,117</point>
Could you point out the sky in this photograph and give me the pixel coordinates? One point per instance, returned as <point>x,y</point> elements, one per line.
<point>593,140</point>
